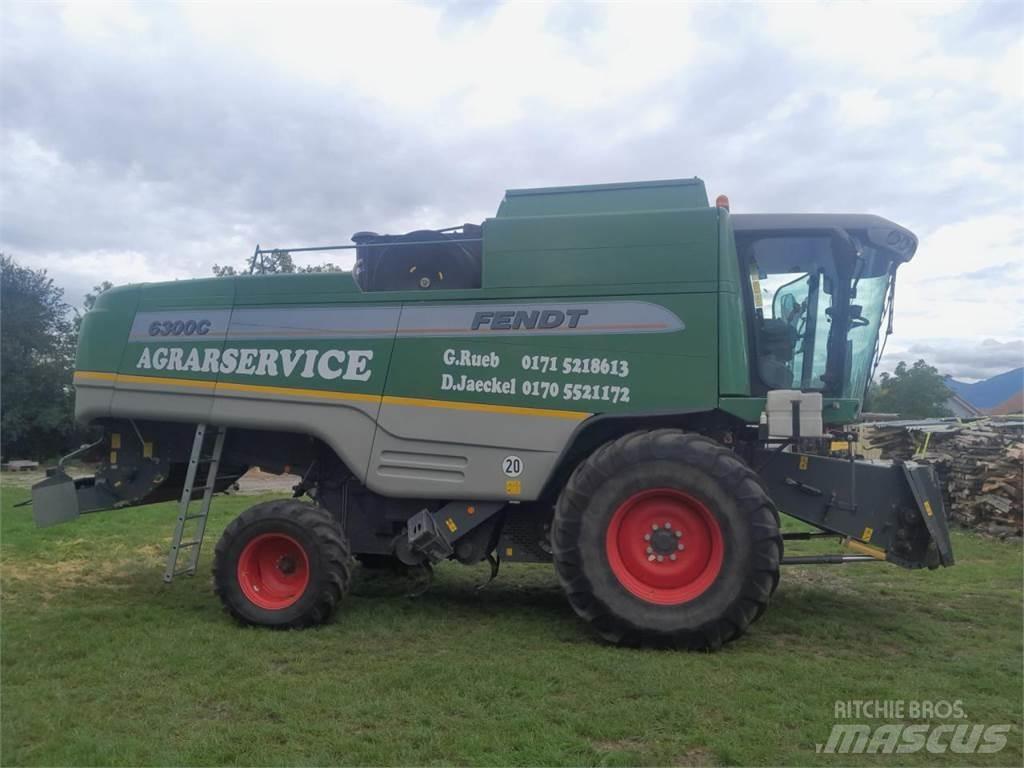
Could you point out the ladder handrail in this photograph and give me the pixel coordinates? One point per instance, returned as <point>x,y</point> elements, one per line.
<point>187,489</point>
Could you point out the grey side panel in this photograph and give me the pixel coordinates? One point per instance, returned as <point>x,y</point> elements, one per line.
<point>248,323</point>
<point>180,324</point>
<point>548,318</point>
<point>347,427</point>
<point>92,401</point>
<point>162,402</point>
<point>558,318</point>
<point>464,455</point>
<point>313,322</point>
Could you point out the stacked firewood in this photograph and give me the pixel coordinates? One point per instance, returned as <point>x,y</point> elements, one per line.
<point>980,465</point>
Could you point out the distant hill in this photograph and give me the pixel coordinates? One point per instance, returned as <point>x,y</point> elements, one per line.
<point>992,392</point>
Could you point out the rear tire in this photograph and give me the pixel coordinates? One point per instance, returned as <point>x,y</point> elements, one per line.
<point>644,498</point>
<point>282,564</point>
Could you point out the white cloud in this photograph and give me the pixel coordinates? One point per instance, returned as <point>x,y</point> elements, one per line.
<point>966,360</point>
<point>863,107</point>
<point>880,40</point>
<point>103,21</point>
<point>486,71</point>
<point>159,139</point>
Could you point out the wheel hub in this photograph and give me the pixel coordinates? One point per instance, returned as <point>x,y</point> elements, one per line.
<point>664,541</point>
<point>664,546</point>
<point>273,571</point>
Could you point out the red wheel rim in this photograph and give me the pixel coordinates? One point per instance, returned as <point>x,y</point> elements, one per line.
<point>273,571</point>
<point>664,546</point>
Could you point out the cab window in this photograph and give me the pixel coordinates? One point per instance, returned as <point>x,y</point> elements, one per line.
<point>791,283</point>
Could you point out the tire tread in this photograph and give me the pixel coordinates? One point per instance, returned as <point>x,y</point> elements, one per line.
<point>732,473</point>
<point>332,586</point>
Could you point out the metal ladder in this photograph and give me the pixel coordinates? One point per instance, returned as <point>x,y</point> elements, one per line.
<point>194,541</point>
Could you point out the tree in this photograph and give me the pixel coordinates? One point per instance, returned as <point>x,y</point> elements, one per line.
<point>37,347</point>
<point>88,303</point>
<point>915,392</point>
<point>274,262</point>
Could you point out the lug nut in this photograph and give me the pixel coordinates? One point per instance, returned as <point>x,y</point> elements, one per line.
<point>649,550</point>
<point>668,525</point>
<point>661,558</point>
<point>678,534</point>
<point>672,556</point>
<point>647,537</point>
<point>654,527</point>
<point>651,558</point>
<point>680,547</point>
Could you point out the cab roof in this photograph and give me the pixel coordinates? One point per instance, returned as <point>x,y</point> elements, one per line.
<point>901,242</point>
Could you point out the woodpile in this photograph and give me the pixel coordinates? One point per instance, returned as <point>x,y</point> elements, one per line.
<point>980,465</point>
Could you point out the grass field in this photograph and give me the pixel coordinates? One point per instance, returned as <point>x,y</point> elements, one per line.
<point>103,664</point>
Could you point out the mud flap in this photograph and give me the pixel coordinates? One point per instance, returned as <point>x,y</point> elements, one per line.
<point>54,500</point>
<point>60,498</point>
<point>925,487</point>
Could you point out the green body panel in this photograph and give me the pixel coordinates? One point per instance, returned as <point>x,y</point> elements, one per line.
<point>651,247</point>
<point>604,198</point>
<point>206,292</point>
<point>631,372</point>
<point>733,355</point>
<point>302,288</point>
<point>104,330</point>
<point>664,371</point>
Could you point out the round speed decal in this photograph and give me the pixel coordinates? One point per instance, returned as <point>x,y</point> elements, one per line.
<point>512,466</point>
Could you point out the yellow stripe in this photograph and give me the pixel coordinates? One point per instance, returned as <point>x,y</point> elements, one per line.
<point>865,549</point>
<point>268,390</point>
<point>124,377</point>
<point>86,375</point>
<point>82,376</point>
<point>459,406</point>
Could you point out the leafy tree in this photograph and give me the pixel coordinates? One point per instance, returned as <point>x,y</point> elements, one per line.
<point>224,271</point>
<point>37,346</point>
<point>327,266</point>
<point>88,303</point>
<point>90,298</point>
<point>275,262</point>
<point>914,392</point>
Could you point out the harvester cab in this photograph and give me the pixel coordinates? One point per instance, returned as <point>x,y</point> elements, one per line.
<point>819,285</point>
<point>620,379</point>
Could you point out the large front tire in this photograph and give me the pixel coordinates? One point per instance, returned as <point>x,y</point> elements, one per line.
<point>283,564</point>
<point>666,538</point>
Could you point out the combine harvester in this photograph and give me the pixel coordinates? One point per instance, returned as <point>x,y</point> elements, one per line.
<point>620,378</point>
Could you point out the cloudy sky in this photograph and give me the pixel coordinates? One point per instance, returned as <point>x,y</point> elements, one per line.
<point>150,141</point>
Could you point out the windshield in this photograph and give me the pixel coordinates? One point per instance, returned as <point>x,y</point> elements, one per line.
<point>792,280</point>
<point>795,323</point>
<point>867,304</point>
<point>800,289</point>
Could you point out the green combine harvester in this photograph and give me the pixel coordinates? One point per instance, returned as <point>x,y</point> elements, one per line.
<point>619,378</point>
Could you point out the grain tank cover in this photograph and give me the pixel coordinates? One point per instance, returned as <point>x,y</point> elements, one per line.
<point>670,194</point>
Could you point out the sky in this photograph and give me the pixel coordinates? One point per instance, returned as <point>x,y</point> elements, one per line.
<point>151,141</point>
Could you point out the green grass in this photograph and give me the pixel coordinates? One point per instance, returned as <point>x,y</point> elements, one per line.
<point>104,664</point>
